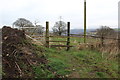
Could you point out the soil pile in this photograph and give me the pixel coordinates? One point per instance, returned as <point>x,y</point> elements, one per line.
<point>19,55</point>
<point>11,39</point>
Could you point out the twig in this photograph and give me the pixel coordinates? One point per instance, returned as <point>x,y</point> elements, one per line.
<point>14,51</point>
<point>20,71</point>
<point>7,62</point>
<point>28,61</point>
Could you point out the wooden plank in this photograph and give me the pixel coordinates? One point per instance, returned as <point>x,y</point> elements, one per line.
<point>59,36</point>
<point>57,41</point>
<point>38,35</point>
<point>37,38</point>
<point>30,37</point>
<point>61,46</point>
<point>27,27</point>
<point>104,37</point>
<point>33,39</point>
<point>66,36</point>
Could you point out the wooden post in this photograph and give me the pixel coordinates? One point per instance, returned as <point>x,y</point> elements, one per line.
<point>84,21</point>
<point>47,34</point>
<point>68,35</point>
<point>102,41</point>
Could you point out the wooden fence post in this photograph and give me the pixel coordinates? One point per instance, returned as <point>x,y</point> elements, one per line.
<point>84,21</point>
<point>68,35</point>
<point>102,40</point>
<point>47,34</point>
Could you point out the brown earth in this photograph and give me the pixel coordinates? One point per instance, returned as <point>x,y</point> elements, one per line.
<point>18,54</point>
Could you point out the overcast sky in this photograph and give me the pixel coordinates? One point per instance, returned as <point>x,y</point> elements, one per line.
<point>99,12</point>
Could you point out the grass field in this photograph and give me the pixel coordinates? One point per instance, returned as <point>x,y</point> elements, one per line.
<point>76,64</point>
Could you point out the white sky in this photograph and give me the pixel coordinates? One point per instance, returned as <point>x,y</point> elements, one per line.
<point>99,12</point>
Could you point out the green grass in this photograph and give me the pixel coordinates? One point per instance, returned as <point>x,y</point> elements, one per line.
<point>58,66</point>
<point>85,63</point>
<point>41,72</point>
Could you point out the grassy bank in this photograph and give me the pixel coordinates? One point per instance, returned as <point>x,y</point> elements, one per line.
<point>76,64</point>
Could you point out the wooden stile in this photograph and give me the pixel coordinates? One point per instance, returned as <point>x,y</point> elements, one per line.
<point>68,37</point>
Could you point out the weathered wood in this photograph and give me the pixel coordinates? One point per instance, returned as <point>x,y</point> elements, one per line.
<point>37,36</point>
<point>47,34</point>
<point>30,37</point>
<point>57,41</point>
<point>68,35</point>
<point>59,36</point>
<point>61,46</point>
<point>85,21</point>
<point>105,37</point>
<point>28,27</point>
<point>33,39</point>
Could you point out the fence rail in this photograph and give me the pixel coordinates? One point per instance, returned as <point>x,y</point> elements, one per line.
<point>58,41</point>
<point>61,46</point>
<point>77,37</point>
<point>48,36</point>
<point>105,37</point>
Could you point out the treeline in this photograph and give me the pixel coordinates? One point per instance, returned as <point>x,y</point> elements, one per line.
<point>59,28</point>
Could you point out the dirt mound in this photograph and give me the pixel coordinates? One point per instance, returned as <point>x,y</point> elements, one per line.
<point>19,55</point>
<point>11,39</point>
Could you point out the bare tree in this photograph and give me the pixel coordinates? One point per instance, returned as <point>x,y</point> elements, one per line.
<point>39,28</point>
<point>59,28</point>
<point>22,22</point>
<point>105,31</point>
